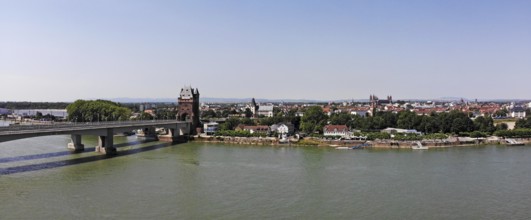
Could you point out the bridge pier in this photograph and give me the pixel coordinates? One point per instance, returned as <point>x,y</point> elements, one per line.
<point>170,136</point>
<point>76,144</point>
<point>106,143</point>
<point>148,133</point>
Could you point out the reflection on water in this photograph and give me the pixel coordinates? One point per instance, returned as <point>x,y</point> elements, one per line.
<point>56,164</point>
<point>158,180</point>
<point>58,154</point>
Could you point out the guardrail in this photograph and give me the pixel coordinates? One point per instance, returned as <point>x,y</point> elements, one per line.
<point>79,125</point>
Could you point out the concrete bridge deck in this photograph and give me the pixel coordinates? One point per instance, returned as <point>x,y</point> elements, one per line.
<point>105,131</point>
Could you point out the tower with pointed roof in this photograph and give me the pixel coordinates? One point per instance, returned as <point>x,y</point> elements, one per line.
<point>189,107</point>
<point>254,108</point>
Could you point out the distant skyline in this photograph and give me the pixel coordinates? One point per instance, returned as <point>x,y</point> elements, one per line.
<point>60,50</point>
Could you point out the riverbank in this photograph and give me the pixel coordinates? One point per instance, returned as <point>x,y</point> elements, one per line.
<point>383,144</point>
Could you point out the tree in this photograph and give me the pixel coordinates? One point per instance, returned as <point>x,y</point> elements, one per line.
<point>460,122</point>
<point>230,124</point>
<point>146,116</point>
<point>406,120</point>
<point>166,114</point>
<point>248,113</point>
<point>484,124</point>
<point>208,114</point>
<point>523,123</point>
<point>98,110</point>
<point>502,127</point>
<point>38,115</point>
<point>277,111</point>
<point>247,121</point>
<point>225,113</point>
<point>296,121</point>
<point>341,119</point>
<point>49,117</point>
<point>313,120</point>
<point>501,113</point>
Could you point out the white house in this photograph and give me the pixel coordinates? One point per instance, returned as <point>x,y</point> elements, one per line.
<point>336,130</point>
<point>282,128</point>
<point>210,128</point>
<point>400,131</point>
<point>517,112</point>
<point>362,112</point>
<point>265,110</point>
<point>252,129</point>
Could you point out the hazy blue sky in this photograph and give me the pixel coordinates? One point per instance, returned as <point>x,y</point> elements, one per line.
<point>64,50</point>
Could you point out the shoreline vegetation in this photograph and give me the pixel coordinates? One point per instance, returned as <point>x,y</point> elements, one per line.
<point>382,144</point>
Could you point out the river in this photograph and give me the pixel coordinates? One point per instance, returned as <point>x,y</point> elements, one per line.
<point>39,179</point>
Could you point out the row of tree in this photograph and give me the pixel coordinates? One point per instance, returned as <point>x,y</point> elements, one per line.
<point>315,119</point>
<point>160,114</point>
<point>516,133</point>
<point>524,123</point>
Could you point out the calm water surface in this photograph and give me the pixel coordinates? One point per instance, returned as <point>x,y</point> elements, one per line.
<point>39,179</point>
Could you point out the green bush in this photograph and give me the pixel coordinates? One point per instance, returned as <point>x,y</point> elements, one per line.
<point>516,133</point>
<point>435,136</point>
<point>378,135</point>
<point>407,137</point>
<point>478,134</point>
<point>232,133</point>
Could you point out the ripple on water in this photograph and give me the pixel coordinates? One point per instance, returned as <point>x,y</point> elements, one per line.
<point>199,181</point>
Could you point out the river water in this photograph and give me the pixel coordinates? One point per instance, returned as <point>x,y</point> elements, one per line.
<point>39,179</point>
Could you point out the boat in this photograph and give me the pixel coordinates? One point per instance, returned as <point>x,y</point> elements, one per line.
<point>513,142</point>
<point>418,146</point>
<point>343,148</point>
<point>360,146</point>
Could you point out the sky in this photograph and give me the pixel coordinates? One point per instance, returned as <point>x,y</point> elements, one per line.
<point>63,50</point>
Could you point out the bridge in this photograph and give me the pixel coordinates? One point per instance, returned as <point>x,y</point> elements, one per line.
<point>104,130</point>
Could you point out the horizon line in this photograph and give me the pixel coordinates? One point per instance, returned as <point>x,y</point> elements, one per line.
<point>165,100</point>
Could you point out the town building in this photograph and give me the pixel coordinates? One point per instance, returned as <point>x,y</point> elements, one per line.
<point>265,110</point>
<point>253,107</point>
<point>375,101</point>
<point>283,128</point>
<point>361,111</point>
<point>254,128</point>
<point>517,112</point>
<point>400,131</point>
<point>151,112</point>
<point>210,128</point>
<point>336,130</point>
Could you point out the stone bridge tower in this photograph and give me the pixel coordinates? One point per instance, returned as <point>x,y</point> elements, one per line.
<point>189,107</point>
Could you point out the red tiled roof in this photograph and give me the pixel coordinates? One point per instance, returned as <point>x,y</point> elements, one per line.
<point>334,127</point>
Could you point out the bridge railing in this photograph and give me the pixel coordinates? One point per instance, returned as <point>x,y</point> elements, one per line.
<point>59,125</point>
